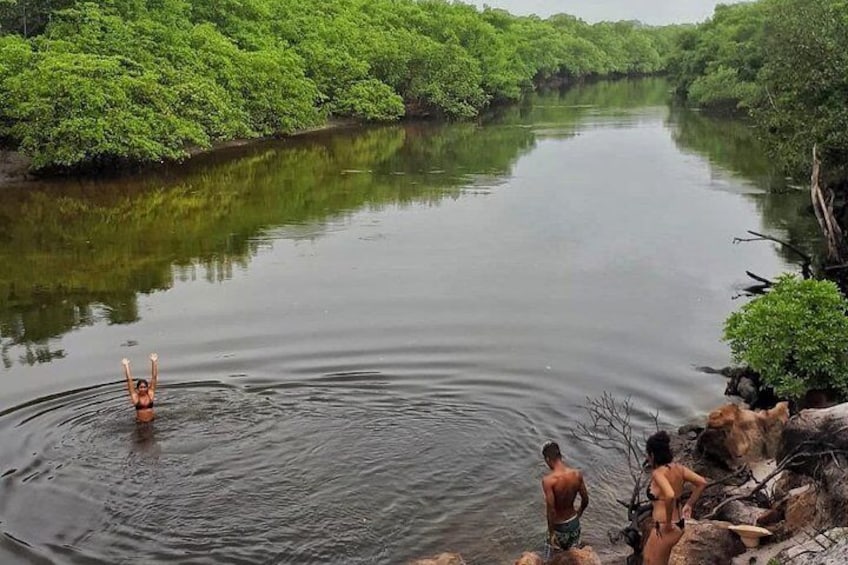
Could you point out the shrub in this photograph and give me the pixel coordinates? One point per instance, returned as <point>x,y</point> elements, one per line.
<point>795,336</point>
<point>369,100</point>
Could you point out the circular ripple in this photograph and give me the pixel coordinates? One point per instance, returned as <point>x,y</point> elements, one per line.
<point>341,469</point>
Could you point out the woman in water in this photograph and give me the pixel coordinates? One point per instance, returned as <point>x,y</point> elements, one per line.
<point>142,393</point>
<point>665,491</point>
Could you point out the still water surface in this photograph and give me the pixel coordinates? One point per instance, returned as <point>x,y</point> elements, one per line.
<point>366,334</point>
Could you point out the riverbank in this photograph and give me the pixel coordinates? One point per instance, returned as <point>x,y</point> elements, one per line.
<point>777,492</point>
<point>15,167</point>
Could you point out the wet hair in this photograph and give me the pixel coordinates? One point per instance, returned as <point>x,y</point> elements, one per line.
<point>140,382</point>
<point>551,451</point>
<point>659,446</point>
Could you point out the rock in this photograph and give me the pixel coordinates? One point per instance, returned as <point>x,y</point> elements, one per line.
<point>750,435</point>
<point>706,543</point>
<point>821,432</point>
<point>529,559</point>
<point>688,451</point>
<point>737,512</point>
<point>818,399</point>
<point>577,556</point>
<point>788,481</point>
<point>800,510</point>
<point>834,482</point>
<point>711,446</point>
<point>830,548</point>
<point>441,559</point>
<point>747,385</point>
<point>815,426</point>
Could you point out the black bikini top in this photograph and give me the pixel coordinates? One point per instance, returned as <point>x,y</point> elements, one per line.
<point>648,492</point>
<point>140,406</point>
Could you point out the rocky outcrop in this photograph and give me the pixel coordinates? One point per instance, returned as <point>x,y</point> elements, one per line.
<point>579,556</point>
<point>801,509</point>
<point>814,428</point>
<point>749,435</point>
<point>706,543</point>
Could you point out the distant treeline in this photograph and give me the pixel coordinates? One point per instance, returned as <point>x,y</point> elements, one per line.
<point>785,63</point>
<point>92,83</point>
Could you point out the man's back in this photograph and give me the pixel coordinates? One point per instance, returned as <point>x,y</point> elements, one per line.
<point>564,485</point>
<point>561,487</point>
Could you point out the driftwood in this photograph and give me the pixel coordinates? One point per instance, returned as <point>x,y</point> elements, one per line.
<point>814,443</point>
<point>837,250</point>
<point>801,452</point>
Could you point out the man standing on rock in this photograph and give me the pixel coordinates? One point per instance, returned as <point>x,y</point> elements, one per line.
<point>561,486</point>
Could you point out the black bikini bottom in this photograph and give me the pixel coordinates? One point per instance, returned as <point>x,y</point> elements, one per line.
<point>680,524</point>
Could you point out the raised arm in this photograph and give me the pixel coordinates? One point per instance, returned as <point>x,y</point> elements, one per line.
<point>584,497</point>
<point>700,483</point>
<point>154,373</point>
<point>130,387</point>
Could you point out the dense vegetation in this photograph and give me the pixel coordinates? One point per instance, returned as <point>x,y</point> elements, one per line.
<point>785,62</point>
<point>89,83</point>
<point>794,336</point>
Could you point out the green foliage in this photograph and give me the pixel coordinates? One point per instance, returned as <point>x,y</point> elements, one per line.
<point>721,87</point>
<point>796,336</point>
<point>72,109</point>
<point>187,73</point>
<point>783,61</point>
<point>369,100</point>
<point>806,77</point>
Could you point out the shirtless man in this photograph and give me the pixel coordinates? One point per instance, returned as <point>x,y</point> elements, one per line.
<point>561,487</point>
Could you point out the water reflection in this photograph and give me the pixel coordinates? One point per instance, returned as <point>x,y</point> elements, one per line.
<point>80,252</point>
<point>732,147</point>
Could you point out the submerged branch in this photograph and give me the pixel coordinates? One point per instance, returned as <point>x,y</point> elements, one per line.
<point>806,259</point>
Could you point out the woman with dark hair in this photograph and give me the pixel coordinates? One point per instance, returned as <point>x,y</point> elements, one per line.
<point>141,395</point>
<point>665,491</point>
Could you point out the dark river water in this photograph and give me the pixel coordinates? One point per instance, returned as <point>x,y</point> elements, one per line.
<point>365,335</point>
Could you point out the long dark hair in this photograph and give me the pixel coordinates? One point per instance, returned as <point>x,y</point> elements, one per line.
<point>659,446</point>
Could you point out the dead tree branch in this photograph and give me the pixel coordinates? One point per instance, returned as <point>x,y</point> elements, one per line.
<point>807,261</point>
<point>610,427</point>
<point>837,250</point>
<point>800,452</point>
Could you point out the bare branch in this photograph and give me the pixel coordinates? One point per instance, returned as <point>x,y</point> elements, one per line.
<point>794,456</point>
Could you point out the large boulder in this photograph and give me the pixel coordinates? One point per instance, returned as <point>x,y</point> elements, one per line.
<point>441,559</point>
<point>801,512</point>
<point>529,558</point>
<point>814,428</point>
<point>577,556</point>
<point>706,543</point>
<point>748,435</point>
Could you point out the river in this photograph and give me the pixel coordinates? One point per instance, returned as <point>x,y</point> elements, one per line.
<point>366,334</point>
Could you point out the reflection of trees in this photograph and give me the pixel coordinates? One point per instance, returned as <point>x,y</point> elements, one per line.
<point>80,252</point>
<point>732,145</point>
<point>569,107</point>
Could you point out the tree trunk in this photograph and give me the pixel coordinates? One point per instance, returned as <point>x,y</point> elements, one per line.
<point>837,251</point>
